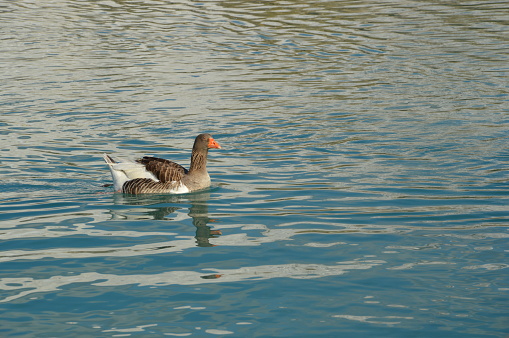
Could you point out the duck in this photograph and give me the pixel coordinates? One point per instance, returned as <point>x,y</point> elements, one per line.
<point>159,176</point>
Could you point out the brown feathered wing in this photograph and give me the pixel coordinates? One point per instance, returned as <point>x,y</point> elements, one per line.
<point>164,170</point>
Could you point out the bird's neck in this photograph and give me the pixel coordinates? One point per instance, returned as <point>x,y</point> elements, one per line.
<point>198,161</point>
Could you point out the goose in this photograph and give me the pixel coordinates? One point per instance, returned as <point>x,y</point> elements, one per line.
<point>160,176</point>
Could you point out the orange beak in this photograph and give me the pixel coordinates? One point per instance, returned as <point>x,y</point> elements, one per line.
<point>213,144</point>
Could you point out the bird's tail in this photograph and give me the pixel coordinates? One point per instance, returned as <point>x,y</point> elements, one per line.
<point>108,159</point>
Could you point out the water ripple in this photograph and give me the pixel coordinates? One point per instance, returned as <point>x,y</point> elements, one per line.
<point>297,271</point>
<point>361,188</point>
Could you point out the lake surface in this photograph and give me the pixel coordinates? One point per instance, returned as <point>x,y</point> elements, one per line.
<point>362,189</point>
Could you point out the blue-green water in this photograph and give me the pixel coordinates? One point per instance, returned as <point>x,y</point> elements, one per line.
<point>362,189</point>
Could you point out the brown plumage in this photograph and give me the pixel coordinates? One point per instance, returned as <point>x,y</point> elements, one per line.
<point>147,185</point>
<point>164,170</point>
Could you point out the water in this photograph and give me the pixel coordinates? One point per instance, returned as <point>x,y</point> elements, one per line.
<point>361,190</point>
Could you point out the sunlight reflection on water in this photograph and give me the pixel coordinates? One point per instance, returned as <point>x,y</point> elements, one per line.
<point>361,188</point>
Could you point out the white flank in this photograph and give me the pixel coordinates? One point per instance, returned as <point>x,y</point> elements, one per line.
<point>181,189</point>
<point>126,171</point>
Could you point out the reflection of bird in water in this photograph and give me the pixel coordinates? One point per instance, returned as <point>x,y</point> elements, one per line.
<point>199,213</point>
<point>160,207</point>
<point>159,176</point>
<point>156,207</point>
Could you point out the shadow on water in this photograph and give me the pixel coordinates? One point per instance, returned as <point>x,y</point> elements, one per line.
<point>163,207</point>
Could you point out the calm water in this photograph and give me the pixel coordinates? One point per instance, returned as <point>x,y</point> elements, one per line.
<point>362,189</point>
